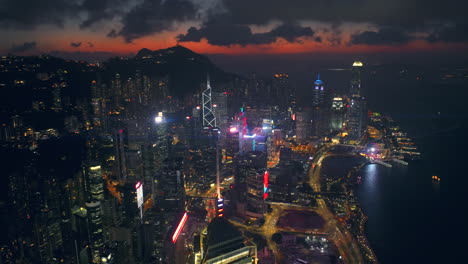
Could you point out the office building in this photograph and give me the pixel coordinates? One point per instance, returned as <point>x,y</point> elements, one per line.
<point>93,180</point>
<point>223,243</point>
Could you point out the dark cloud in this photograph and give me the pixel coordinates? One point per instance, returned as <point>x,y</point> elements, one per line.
<point>75,44</point>
<point>154,16</point>
<point>101,10</point>
<point>379,12</point>
<point>141,18</point>
<point>291,32</point>
<point>27,14</point>
<point>385,36</point>
<point>449,33</point>
<point>27,46</point>
<point>112,34</point>
<point>225,34</point>
<point>96,11</point>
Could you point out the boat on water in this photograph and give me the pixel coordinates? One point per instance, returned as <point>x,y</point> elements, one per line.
<point>436,178</point>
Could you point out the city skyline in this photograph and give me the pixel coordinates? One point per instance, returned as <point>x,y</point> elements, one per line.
<point>85,29</point>
<point>231,131</point>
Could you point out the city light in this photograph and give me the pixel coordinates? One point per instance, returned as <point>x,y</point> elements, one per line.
<point>137,185</point>
<point>357,64</point>
<point>265,184</point>
<point>139,191</point>
<point>179,228</point>
<point>250,136</point>
<point>233,129</point>
<point>158,119</point>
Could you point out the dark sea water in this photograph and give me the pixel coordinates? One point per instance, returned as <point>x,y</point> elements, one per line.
<point>412,219</point>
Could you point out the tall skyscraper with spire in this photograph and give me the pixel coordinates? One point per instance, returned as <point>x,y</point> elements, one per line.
<point>318,92</point>
<point>209,118</point>
<point>357,107</point>
<point>356,79</point>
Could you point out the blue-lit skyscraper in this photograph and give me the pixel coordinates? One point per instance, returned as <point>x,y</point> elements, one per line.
<point>318,92</point>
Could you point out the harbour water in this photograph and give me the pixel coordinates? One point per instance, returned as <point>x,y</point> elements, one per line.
<point>412,219</point>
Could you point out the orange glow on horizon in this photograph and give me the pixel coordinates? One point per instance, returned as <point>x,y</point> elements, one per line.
<point>118,46</point>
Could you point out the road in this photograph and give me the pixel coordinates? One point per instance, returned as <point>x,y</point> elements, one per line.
<point>343,240</point>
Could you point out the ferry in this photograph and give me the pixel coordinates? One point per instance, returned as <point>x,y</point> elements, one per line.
<point>436,178</point>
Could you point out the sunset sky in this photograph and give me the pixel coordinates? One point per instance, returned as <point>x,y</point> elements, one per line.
<point>233,27</point>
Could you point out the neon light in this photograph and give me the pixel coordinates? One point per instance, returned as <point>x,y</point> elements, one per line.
<point>139,192</point>
<point>265,185</point>
<point>233,129</point>
<point>179,228</point>
<point>250,136</point>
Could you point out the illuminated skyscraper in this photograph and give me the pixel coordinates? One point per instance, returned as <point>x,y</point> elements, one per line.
<point>95,233</point>
<point>318,92</point>
<point>303,124</point>
<point>356,79</point>
<point>356,118</point>
<point>161,141</point>
<point>257,192</point>
<point>220,107</point>
<point>337,104</point>
<point>283,91</point>
<point>209,118</point>
<point>356,112</point>
<point>116,87</point>
<point>94,181</point>
<point>120,139</point>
